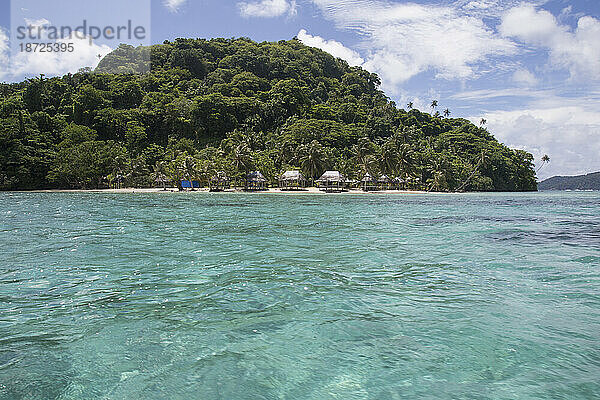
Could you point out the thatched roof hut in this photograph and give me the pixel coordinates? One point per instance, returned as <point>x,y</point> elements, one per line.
<point>368,182</point>
<point>332,181</point>
<point>255,176</point>
<point>292,180</point>
<point>368,178</point>
<point>219,182</point>
<point>384,179</point>
<point>220,176</point>
<point>332,176</point>
<point>385,182</point>
<point>397,183</point>
<point>162,180</point>
<point>255,181</point>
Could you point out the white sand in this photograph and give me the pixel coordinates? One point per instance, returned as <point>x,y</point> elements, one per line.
<point>311,190</point>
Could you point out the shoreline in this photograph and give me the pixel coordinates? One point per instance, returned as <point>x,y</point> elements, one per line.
<point>311,190</point>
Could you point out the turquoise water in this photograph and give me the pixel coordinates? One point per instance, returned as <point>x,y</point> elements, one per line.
<point>234,296</point>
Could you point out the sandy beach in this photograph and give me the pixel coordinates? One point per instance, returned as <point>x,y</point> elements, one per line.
<point>311,190</point>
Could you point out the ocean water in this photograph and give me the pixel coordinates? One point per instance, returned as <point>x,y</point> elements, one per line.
<point>242,296</point>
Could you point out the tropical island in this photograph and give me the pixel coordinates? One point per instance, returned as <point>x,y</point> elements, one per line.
<point>230,107</point>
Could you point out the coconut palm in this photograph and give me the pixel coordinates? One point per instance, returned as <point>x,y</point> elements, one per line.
<point>482,122</point>
<point>446,113</point>
<point>160,173</point>
<point>407,133</point>
<point>189,168</point>
<point>545,160</point>
<point>438,169</point>
<point>363,153</point>
<point>409,105</point>
<point>405,160</point>
<point>434,105</point>
<point>313,160</point>
<point>389,156</point>
<point>482,160</point>
<point>242,157</point>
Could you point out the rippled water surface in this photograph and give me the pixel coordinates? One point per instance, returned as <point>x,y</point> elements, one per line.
<point>232,296</point>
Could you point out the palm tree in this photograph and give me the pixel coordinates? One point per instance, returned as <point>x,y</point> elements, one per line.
<point>446,113</point>
<point>363,154</point>
<point>389,156</point>
<point>545,160</point>
<point>409,105</point>
<point>160,173</point>
<point>482,122</point>
<point>438,170</point>
<point>481,161</point>
<point>405,160</point>
<point>189,168</point>
<point>408,133</point>
<point>434,104</point>
<point>313,160</point>
<point>242,157</point>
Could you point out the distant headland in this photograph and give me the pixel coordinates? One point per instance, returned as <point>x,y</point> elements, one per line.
<point>579,182</point>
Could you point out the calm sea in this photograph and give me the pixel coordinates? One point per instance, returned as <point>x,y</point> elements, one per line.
<point>235,296</point>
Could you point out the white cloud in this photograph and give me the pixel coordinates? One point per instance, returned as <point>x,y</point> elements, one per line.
<point>85,54</point>
<point>524,77</point>
<point>568,130</point>
<point>174,5</point>
<point>37,23</point>
<point>577,51</point>
<point>403,40</point>
<point>4,55</point>
<point>333,47</point>
<point>267,8</point>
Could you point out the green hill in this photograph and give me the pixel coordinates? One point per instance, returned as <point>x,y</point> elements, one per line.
<point>235,105</point>
<point>581,182</point>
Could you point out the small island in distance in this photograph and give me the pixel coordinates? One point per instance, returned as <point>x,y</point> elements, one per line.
<point>579,182</point>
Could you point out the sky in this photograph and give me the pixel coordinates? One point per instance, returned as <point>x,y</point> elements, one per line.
<point>530,68</point>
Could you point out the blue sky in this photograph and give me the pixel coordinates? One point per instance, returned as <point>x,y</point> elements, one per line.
<point>530,68</point>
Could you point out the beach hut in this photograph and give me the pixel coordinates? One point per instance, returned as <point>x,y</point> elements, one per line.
<point>292,180</point>
<point>116,182</point>
<point>162,180</point>
<point>255,181</point>
<point>368,183</point>
<point>397,183</point>
<point>332,181</point>
<point>219,182</point>
<point>384,182</point>
<point>185,185</point>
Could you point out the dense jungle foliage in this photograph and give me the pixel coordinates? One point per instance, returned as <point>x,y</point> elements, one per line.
<point>234,105</point>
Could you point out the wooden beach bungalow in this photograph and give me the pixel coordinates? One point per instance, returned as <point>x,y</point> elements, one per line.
<point>397,183</point>
<point>384,182</point>
<point>255,181</point>
<point>368,183</point>
<point>292,180</point>
<point>332,181</point>
<point>219,182</point>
